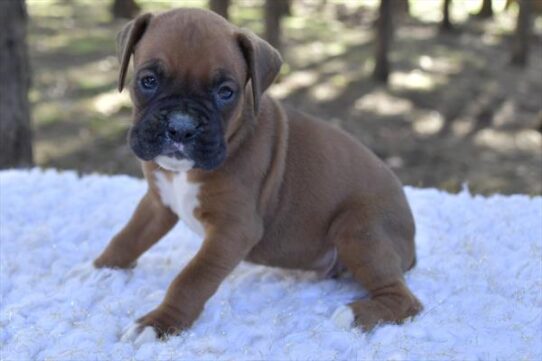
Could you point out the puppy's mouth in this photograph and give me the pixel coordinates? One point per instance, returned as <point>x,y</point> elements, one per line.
<point>174,149</point>
<point>174,164</point>
<point>173,157</point>
<point>178,138</point>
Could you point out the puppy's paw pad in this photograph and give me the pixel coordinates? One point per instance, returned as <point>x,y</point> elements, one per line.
<point>343,317</point>
<point>138,334</point>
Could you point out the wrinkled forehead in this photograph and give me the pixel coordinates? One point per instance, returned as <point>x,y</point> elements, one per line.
<point>194,46</point>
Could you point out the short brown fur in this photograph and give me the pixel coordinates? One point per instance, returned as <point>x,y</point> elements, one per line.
<point>292,189</point>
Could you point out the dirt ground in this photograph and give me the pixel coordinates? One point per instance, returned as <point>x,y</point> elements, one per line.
<point>455,112</point>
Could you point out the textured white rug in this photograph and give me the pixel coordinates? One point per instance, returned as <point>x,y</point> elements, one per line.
<point>479,275</point>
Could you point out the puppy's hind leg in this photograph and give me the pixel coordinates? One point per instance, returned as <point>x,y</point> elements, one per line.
<point>375,261</point>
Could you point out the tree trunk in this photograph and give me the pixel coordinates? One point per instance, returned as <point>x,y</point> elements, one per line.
<point>383,37</point>
<point>285,7</point>
<point>124,9</point>
<point>520,46</point>
<point>15,127</point>
<point>401,8</point>
<point>486,11</point>
<point>274,11</point>
<point>446,24</point>
<point>220,7</point>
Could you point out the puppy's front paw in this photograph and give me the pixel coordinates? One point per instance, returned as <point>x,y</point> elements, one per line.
<point>85,272</point>
<point>108,261</point>
<point>158,324</point>
<point>139,334</point>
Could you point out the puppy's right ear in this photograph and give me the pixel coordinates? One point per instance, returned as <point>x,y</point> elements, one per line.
<point>127,39</point>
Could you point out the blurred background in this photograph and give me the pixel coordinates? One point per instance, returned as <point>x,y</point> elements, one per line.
<point>447,92</point>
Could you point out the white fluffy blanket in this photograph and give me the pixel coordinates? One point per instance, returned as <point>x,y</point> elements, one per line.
<point>479,275</point>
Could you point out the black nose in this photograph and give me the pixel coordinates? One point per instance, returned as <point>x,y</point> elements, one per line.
<point>181,126</point>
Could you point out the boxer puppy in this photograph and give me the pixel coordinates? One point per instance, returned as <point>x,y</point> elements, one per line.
<point>257,181</point>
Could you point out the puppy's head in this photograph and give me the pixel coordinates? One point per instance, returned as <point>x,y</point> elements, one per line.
<point>194,75</point>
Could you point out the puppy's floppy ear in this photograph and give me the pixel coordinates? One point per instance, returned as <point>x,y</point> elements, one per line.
<point>127,38</point>
<point>263,63</point>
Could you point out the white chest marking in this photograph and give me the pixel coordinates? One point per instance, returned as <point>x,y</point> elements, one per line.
<point>182,197</point>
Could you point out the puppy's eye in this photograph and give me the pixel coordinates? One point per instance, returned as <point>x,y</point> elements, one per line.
<point>225,93</point>
<point>149,82</point>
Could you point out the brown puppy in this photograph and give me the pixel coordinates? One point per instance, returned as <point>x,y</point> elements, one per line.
<point>257,181</point>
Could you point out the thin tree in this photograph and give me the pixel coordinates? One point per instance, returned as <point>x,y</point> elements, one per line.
<point>220,7</point>
<point>401,8</point>
<point>446,23</point>
<point>274,11</point>
<point>383,39</point>
<point>15,127</point>
<point>520,46</point>
<point>486,10</point>
<point>124,9</point>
